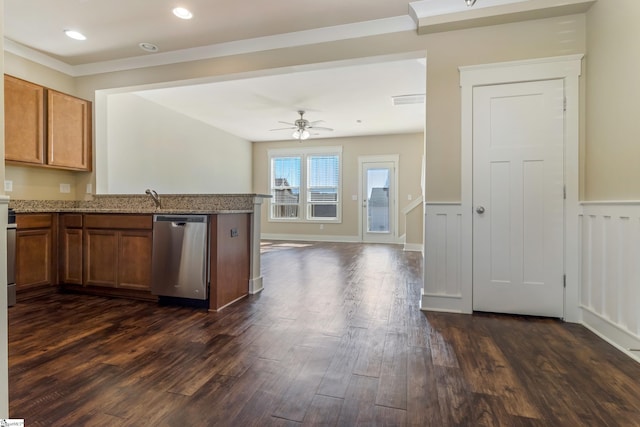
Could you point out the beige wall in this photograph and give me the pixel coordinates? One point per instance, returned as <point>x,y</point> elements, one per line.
<point>36,183</point>
<point>445,53</point>
<point>448,51</point>
<point>612,159</point>
<point>409,147</point>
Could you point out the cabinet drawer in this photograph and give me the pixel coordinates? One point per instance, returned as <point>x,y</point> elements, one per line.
<point>119,221</point>
<point>26,221</point>
<point>71,220</point>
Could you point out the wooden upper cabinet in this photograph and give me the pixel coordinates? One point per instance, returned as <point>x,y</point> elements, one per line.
<point>46,127</point>
<point>24,121</point>
<point>68,131</point>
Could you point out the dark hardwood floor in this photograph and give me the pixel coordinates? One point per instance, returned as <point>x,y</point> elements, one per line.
<point>336,338</point>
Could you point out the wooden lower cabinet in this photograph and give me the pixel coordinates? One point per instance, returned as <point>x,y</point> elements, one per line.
<point>111,254</point>
<point>35,255</point>
<point>134,259</point>
<point>229,258</point>
<point>70,249</point>
<point>117,251</point>
<point>101,258</point>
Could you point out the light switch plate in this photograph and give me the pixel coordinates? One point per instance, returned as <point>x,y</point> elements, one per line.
<point>65,188</point>
<point>8,185</point>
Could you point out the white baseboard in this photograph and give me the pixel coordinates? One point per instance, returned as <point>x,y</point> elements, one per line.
<point>311,238</point>
<point>255,285</point>
<point>413,247</point>
<point>317,238</point>
<point>611,333</point>
<point>442,303</point>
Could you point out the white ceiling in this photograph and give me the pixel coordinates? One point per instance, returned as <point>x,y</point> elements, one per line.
<point>250,107</point>
<point>343,97</point>
<point>115,27</point>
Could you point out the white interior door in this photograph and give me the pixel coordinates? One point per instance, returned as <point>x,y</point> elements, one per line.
<point>378,202</point>
<point>518,184</point>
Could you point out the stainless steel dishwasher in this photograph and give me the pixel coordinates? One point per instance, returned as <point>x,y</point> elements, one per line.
<point>179,258</point>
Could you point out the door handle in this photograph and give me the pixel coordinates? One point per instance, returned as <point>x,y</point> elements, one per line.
<point>480,209</point>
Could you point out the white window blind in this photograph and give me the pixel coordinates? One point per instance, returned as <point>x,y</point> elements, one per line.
<point>285,187</point>
<point>323,179</point>
<point>305,184</point>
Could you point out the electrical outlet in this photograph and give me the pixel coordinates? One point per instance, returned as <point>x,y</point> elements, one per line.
<point>65,188</point>
<point>8,186</point>
<point>354,197</point>
<point>234,232</point>
<point>409,197</point>
<point>321,226</point>
<point>89,189</point>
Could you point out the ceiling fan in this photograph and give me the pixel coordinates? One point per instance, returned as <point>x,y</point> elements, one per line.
<point>302,126</point>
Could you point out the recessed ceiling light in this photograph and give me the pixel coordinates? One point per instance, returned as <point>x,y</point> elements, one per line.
<point>182,13</point>
<point>148,47</point>
<point>75,35</point>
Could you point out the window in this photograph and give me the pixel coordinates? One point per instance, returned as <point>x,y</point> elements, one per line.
<point>305,184</point>
<point>285,187</point>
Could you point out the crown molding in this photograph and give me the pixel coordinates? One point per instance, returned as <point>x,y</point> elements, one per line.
<point>433,16</point>
<point>280,41</point>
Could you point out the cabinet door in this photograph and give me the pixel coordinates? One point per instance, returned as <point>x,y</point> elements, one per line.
<point>71,256</point>
<point>24,121</point>
<point>230,253</point>
<point>33,258</point>
<point>134,260</point>
<point>101,258</point>
<point>68,131</point>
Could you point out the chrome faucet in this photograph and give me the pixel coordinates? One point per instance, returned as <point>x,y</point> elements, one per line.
<point>154,196</point>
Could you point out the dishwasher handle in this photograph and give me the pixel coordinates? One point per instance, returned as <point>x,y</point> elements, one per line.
<point>180,219</point>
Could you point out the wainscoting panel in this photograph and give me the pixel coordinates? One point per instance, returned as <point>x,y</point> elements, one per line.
<point>610,270</point>
<point>443,258</point>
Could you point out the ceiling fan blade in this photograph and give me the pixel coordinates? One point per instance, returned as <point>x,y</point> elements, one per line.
<point>289,128</point>
<point>315,122</point>
<point>319,128</point>
<point>286,123</point>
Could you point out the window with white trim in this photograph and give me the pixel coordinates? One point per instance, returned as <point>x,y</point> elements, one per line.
<point>305,184</point>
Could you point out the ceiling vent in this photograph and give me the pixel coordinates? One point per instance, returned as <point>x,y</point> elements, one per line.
<point>407,99</point>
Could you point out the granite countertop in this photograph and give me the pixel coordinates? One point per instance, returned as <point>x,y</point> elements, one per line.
<point>143,204</point>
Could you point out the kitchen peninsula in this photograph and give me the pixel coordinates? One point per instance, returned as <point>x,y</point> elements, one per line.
<point>104,245</point>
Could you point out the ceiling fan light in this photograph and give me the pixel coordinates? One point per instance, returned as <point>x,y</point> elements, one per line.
<point>470,2</point>
<point>301,134</point>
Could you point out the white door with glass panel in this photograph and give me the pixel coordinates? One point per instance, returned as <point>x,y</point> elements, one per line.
<point>378,202</point>
<point>518,202</point>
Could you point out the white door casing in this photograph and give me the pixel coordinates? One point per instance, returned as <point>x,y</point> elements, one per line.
<point>518,180</point>
<point>567,68</point>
